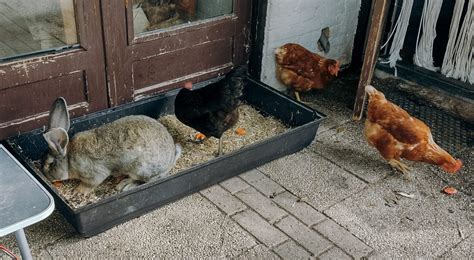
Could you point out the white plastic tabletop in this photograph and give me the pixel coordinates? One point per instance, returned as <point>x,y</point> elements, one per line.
<point>23,201</point>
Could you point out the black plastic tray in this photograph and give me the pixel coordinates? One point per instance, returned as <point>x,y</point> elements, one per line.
<point>106,213</point>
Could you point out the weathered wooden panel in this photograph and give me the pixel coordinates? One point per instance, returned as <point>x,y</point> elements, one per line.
<point>29,85</point>
<point>165,42</point>
<point>16,103</point>
<point>181,63</point>
<point>134,64</point>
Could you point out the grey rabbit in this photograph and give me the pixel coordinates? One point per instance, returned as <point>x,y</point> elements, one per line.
<point>137,146</point>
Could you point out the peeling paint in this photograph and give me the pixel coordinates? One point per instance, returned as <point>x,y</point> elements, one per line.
<point>190,76</point>
<point>40,115</point>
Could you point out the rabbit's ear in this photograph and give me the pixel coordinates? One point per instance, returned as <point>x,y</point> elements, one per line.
<point>58,115</point>
<point>57,140</point>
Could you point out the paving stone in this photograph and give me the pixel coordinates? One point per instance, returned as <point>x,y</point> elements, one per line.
<point>223,199</point>
<point>334,253</point>
<point>258,252</point>
<point>346,146</point>
<point>261,204</point>
<point>343,238</point>
<point>300,210</point>
<point>411,227</point>
<point>310,176</point>
<point>268,187</point>
<point>291,250</point>
<point>234,185</point>
<point>192,227</point>
<point>260,228</point>
<point>305,236</point>
<point>252,176</point>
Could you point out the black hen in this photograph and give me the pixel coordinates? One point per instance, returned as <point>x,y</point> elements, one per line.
<point>212,110</point>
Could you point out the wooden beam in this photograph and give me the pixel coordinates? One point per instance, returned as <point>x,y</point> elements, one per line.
<point>379,14</point>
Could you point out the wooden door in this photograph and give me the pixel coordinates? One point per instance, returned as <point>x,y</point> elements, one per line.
<point>211,37</point>
<point>49,48</point>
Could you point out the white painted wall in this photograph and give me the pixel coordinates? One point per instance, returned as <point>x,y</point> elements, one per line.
<point>301,21</point>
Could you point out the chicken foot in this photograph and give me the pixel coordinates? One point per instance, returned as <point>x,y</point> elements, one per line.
<point>401,167</point>
<point>297,96</point>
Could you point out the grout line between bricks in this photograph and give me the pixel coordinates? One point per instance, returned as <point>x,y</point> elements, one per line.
<point>315,224</point>
<point>334,246</point>
<point>250,208</point>
<point>345,230</point>
<point>289,214</point>
<point>238,224</point>
<point>311,227</point>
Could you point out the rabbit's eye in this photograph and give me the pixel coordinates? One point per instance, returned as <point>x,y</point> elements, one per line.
<point>53,164</point>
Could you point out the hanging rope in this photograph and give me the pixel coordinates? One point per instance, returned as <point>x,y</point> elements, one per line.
<point>463,55</point>
<point>424,45</point>
<point>448,61</point>
<point>458,61</point>
<point>471,76</point>
<point>399,31</point>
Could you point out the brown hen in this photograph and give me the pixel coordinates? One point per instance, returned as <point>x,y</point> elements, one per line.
<point>302,70</point>
<point>396,134</point>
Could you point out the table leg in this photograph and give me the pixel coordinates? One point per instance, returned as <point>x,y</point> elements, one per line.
<point>23,244</point>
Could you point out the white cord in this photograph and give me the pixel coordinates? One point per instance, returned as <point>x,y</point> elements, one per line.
<point>471,76</point>
<point>448,61</point>
<point>424,45</point>
<point>463,56</point>
<point>458,62</point>
<point>399,31</point>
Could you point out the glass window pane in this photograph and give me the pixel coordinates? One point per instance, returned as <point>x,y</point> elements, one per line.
<point>149,15</point>
<point>29,26</point>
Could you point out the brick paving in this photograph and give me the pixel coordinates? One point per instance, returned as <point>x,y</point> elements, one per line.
<point>286,225</point>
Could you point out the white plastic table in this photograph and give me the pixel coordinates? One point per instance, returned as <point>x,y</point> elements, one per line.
<point>23,201</point>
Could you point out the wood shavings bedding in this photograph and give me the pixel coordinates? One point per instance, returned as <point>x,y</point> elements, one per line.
<point>257,128</point>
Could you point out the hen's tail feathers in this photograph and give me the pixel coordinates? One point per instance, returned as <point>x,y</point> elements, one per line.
<point>237,72</point>
<point>236,78</point>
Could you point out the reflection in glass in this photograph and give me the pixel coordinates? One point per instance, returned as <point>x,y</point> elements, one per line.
<point>149,15</point>
<point>29,26</point>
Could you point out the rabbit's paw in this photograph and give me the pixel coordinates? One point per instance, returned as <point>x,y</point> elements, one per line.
<point>127,184</point>
<point>84,189</point>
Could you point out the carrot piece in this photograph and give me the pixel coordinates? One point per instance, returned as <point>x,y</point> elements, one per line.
<point>240,131</point>
<point>450,190</point>
<point>200,136</point>
<point>58,184</point>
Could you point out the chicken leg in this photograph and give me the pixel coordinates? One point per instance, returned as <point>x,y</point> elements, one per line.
<point>401,167</point>
<point>297,96</point>
<point>219,151</point>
